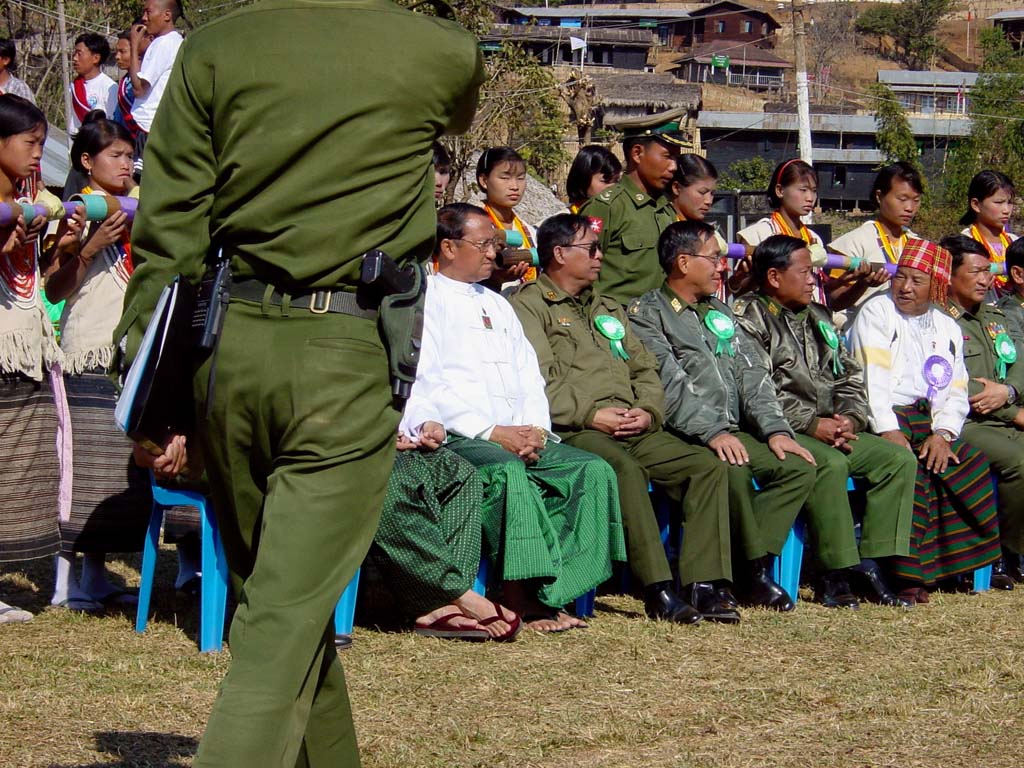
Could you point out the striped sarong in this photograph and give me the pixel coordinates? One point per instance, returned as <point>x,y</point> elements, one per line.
<point>558,520</point>
<point>955,526</point>
<point>110,497</point>
<point>29,469</point>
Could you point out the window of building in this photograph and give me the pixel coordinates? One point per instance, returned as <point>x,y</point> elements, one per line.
<point>748,27</point>
<point>839,177</point>
<point>720,27</point>
<point>764,29</point>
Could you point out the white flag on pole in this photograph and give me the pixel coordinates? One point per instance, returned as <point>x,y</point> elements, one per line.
<point>575,43</point>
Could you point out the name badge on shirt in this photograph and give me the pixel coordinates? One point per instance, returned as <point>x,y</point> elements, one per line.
<point>487,322</point>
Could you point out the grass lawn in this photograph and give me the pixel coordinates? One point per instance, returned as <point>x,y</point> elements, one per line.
<point>939,686</point>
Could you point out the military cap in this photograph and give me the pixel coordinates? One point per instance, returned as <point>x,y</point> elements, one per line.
<point>663,126</point>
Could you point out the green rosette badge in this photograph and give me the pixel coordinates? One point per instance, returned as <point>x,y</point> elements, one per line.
<point>828,333</point>
<point>724,329</point>
<point>615,332</point>
<point>1006,354</point>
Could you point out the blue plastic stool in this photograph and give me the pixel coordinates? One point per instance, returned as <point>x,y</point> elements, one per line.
<point>584,605</point>
<point>345,610</point>
<point>213,593</point>
<point>983,579</point>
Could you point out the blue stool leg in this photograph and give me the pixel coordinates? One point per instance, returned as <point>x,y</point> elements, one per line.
<point>345,611</point>
<point>480,585</point>
<point>211,633</point>
<point>585,604</point>
<point>786,569</point>
<point>983,579</point>
<point>148,568</point>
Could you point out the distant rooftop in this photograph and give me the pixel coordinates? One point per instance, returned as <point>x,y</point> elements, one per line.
<point>899,77</point>
<point>1007,15</point>
<point>758,121</point>
<point>738,53</point>
<point>605,13</point>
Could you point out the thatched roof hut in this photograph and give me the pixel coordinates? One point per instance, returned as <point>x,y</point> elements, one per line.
<point>622,96</point>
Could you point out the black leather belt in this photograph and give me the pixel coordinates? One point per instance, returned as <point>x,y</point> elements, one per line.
<point>319,302</point>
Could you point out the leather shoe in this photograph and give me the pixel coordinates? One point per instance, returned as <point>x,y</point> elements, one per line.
<point>726,597</point>
<point>1000,578</point>
<point>874,587</point>
<point>1012,561</point>
<point>835,590</point>
<point>765,592</point>
<point>663,604</point>
<point>704,596</point>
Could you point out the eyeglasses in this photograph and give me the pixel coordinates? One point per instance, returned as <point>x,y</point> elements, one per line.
<point>590,248</point>
<point>713,259</point>
<point>494,244</point>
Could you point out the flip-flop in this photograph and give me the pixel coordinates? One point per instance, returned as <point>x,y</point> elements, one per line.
<point>120,597</point>
<point>444,628</point>
<point>12,615</point>
<point>81,605</point>
<point>508,636</point>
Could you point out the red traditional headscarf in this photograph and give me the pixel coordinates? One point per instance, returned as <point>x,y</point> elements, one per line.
<point>933,259</point>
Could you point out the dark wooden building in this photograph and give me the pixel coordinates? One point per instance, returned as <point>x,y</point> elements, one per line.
<point>731,62</point>
<point>727,20</point>
<point>1012,25</point>
<point>616,48</point>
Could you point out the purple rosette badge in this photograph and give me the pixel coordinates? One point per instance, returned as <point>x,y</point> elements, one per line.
<point>938,372</point>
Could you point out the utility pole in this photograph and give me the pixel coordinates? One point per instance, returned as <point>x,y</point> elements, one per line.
<point>65,74</point>
<point>803,102</point>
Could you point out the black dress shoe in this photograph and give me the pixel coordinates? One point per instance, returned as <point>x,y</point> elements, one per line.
<point>663,604</point>
<point>835,590</point>
<point>765,592</point>
<point>1000,578</point>
<point>1012,562</point>
<point>726,597</point>
<point>873,586</point>
<point>704,596</point>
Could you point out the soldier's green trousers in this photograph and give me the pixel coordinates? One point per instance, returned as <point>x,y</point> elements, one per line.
<point>888,472</point>
<point>298,448</point>
<point>1004,448</point>
<point>763,518</point>
<point>669,462</point>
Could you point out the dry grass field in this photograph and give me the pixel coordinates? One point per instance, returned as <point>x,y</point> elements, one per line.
<point>938,686</point>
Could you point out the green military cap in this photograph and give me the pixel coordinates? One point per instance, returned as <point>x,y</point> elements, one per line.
<point>663,126</point>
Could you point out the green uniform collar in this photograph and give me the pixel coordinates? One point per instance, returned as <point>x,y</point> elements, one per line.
<point>680,305</point>
<point>774,308</point>
<point>638,197</point>
<point>553,293</point>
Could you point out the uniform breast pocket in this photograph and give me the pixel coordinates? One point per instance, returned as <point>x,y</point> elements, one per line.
<point>633,246</point>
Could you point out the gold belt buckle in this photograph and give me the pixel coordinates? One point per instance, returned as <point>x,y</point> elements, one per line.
<point>320,302</point>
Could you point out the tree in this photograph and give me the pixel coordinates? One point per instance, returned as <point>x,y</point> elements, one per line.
<point>754,173</point>
<point>878,21</point>
<point>830,35</point>
<point>911,25</point>
<point>893,134</point>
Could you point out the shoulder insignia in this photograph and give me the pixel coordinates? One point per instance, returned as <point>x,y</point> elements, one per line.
<point>564,322</point>
<point>639,197</point>
<point>551,295</point>
<point>954,311</point>
<point>596,224</point>
<point>606,195</point>
<point>773,308</point>
<point>677,305</point>
<point>634,308</point>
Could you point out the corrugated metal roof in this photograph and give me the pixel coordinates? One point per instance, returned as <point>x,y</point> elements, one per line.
<point>1007,15</point>
<point>899,77</point>
<point>598,13</point>
<point>773,121</point>
<point>56,157</point>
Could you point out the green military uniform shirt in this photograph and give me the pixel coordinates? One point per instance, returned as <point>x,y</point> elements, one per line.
<point>793,349</point>
<point>576,360</point>
<point>705,392</point>
<point>631,223</point>
<point>980,331</point>
<point>299,200</point>
<point>1012,306</point>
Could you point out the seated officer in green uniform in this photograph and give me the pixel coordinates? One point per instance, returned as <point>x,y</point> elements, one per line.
<point>295,181</point>
<point>820,387</point>
<point>995,422</point>
<point>1012,304</point>
<point>691,334</point>
<point>605,397</point>
<point>633,213</point>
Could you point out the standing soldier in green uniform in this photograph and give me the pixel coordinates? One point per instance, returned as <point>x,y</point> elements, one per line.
<point>605,397</point>
<point>691,333</point>
<point>295,172</point>
<point>995,422</point>
<point>633,213</point>
<point>820,387</point>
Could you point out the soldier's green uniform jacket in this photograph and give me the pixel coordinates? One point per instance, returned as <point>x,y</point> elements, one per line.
<point>577,361</point>
<point>980,331</point>
<point>631,223</point>
<point>1013,307</point>
<point>705,392</point>
<point>802,371</point>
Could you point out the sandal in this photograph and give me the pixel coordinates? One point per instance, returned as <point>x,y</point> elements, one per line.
<point>514,626</point>
<point>446,629</point>
<point>12,615</point>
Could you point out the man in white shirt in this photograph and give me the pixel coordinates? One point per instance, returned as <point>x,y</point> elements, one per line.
<point>551,512</point>
<point>149,76</point>
<point>91,89</point>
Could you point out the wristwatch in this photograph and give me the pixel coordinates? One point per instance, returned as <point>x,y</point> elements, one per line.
<point>945,434</point>
<point>1011,398</point>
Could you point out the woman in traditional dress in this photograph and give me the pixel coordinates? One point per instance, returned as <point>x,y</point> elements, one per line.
<point>110,497</point>
<point>593,170</point>
<point>897,191</point>
<point>989,209</point>
<point>912,353</point>
<point>501,176</point>
<point>30,466</point>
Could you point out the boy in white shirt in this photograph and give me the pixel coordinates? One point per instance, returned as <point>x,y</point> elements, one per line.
<point>91,89</point>
<point>149,77</point>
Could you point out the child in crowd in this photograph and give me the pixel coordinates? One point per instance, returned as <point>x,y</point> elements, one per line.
<point>989,208</point>
<point>124,100</point>
<point>593,170</point>
<point>442,171</point>
<point>8,64</point>
<point>501,176</point>
<point>30,470</point>
<point>149,77</point>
